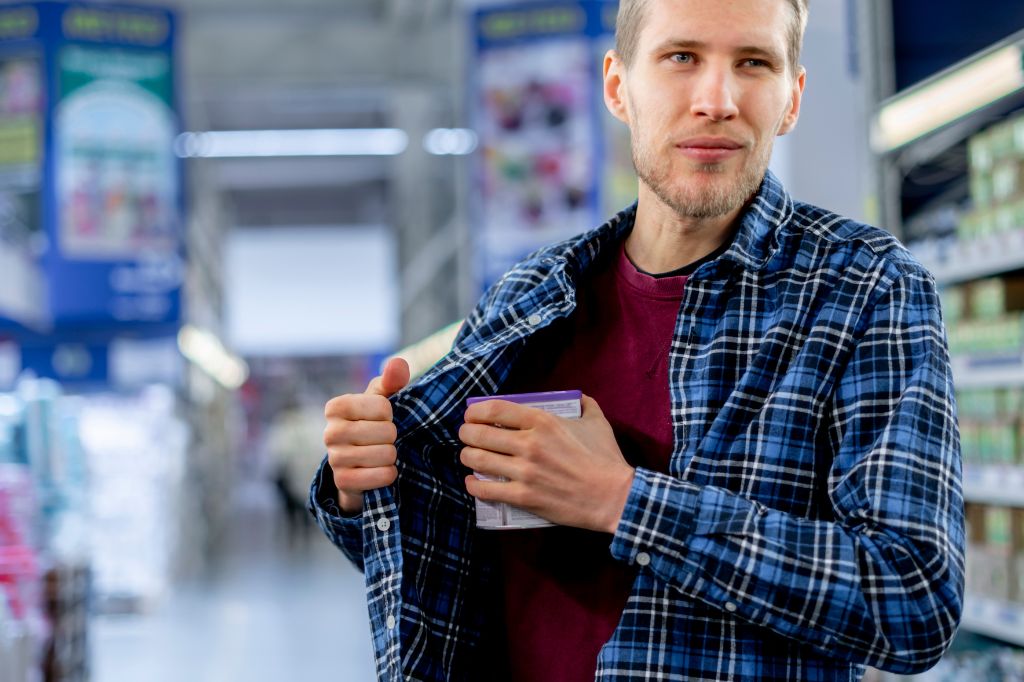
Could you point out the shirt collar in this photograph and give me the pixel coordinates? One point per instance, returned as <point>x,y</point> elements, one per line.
<point>751,248</point>
<point>757,235</point>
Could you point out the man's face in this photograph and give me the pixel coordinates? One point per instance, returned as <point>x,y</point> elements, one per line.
<point>708,91</point>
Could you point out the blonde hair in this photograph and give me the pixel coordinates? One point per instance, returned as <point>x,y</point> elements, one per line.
<point>629,23</point>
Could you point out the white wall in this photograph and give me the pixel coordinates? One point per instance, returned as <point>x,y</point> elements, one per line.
<point>311,290</point>
<point>826,160</point>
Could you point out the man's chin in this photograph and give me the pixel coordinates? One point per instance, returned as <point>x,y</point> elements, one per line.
<point>704,206</point>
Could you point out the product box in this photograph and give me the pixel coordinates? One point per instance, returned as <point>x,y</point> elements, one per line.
<point>974,515</point>
<point>1006,180</point>
<point>1011,402</point>
<point>967,226</point>
<point>981,189</point>
<point>954,303</point>
<point>990,298</point>
<point>499,516</point>
<point>978,156</point>
<point>1018,214</point>
<point>1020,443</point>
<point>1017,123</point>
<point>969,444</point>
<point>986,299</point>
<point>1001,141</point>
<point>1017,578</point>
<point>997,442</point>
<point>991,336</point>
<point>998,555</point>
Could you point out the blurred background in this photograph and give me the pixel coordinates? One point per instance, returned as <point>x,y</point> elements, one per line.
<point>217,214</point>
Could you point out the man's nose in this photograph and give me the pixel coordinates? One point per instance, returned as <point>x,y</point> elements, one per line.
<point>713,97</point>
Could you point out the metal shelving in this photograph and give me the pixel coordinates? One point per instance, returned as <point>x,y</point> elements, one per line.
<point>994,618</point>
<point>955,262</point>
<point>1001,485</point>
<point>996,372</point>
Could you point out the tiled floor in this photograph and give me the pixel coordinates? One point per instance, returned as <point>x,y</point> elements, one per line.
<point>268,614</point>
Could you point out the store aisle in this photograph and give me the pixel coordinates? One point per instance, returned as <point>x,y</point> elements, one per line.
<point>269,613</point>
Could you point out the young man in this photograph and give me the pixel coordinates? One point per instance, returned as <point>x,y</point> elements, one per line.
<point>765,481</point>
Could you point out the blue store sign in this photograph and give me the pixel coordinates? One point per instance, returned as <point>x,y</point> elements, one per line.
<point>108,227</point>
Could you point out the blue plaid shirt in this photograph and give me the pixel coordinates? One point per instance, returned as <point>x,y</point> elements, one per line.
<point>812,519</point>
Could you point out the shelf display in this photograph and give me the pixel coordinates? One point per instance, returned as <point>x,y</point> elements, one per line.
<point>136,450</point>
<point>71,468</point>
<point>23,625</point>
<point>44,585</point>
<point>969,232</point>
<point>995,573</point>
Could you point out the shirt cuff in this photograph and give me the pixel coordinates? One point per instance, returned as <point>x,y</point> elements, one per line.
<point>659,517</point>
<point>344,530</point>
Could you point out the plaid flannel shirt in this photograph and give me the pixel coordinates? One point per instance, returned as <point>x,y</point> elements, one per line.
<point>812,519</point>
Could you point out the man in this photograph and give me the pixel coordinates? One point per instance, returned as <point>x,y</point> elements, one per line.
<point>774,493</point>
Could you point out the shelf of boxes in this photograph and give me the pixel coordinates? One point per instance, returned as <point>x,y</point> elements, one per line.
<point>980,274</point>
<point>994,618</point>
<point>994,602</point>
<point>1001,485</point>
<point>992,437</point>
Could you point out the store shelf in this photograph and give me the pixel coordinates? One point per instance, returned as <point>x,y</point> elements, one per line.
<point>994,484</point>
<point>984,257</point>
<point>992,618</point>
<point>988,372</point>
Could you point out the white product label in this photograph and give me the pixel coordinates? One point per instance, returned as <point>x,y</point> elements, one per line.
<point>501,516</point>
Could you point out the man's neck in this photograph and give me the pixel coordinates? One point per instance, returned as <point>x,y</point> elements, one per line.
<point>662,240</point>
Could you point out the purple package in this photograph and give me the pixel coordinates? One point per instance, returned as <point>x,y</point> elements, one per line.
<point>498,516</point>
<point>562,403</point>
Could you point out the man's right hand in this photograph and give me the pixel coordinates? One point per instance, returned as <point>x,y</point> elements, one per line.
<point>360,436</point>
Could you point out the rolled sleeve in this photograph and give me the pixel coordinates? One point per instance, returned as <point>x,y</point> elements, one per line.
<point>343,530</point>
<point>882,582</point>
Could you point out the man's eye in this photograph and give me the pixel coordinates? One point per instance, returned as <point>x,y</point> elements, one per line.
<point>682,57</point>
<point>755,62</point>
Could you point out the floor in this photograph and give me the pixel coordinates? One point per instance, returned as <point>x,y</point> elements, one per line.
<point>271,611</point>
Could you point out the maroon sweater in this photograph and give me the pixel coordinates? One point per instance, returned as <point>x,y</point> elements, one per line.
<point>563,591</point>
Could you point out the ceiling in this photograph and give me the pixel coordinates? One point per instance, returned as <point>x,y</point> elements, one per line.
<point>283,64</point>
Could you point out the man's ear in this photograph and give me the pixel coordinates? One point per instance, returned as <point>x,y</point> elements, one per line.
<point>614,86</point>
<point>795,98</point>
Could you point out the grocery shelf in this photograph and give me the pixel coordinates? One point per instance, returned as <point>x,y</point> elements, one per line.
<point>994,484</point>
<point>994,618</point>
<point>978,372</point>
<point>983,257</point>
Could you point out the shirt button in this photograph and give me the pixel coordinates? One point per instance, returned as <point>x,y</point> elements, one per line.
<point>383,525</point>
<point>390,622</point>
<point>643,558</point>
<point>534,320</point>
<point>730,607</point>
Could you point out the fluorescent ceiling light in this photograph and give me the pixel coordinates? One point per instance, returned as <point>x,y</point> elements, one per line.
<point>284,143</point>
<point>450,141</point>
<point>948,97</point>
<point>208,354</point>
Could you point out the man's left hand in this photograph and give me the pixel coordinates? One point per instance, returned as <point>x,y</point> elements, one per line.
<point>568,471</point>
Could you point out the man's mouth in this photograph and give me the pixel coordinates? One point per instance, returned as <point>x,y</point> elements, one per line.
<point>709,149</point>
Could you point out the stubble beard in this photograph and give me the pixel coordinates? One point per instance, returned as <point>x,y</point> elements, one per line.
<point>706,200</point>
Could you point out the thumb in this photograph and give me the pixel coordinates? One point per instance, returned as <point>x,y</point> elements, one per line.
<point>589,407</point>
<point>392,379</point>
